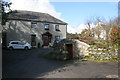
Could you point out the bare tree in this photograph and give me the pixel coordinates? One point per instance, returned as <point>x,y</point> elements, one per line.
<point>5,10</point>
<point>89,27</point>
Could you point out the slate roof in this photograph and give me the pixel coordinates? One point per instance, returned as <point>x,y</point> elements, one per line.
<point>35,16</point>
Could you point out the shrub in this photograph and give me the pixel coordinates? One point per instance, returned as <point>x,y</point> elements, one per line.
<point>115,36</point>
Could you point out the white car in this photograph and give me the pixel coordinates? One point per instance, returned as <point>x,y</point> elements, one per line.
<point>19,45</point>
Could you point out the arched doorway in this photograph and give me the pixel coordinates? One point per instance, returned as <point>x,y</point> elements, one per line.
<point>46,37</point>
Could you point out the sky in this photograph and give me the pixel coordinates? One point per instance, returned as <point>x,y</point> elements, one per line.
<point>75,13</point>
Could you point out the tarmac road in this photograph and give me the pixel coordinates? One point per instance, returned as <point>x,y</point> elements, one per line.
<point>30,64</point>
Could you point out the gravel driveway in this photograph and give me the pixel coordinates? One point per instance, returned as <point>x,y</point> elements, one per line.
<point>30,64</point>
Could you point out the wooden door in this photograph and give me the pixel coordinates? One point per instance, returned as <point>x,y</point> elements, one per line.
<point>45,40</point>
<point>33,40</point>
<point>69,48</point>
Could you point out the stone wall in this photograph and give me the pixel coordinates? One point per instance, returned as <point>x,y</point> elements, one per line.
<point>103,54</point>
<point>79,49</point>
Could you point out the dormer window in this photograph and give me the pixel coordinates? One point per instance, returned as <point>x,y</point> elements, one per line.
<point>57,28</point>
<point>46,26</point>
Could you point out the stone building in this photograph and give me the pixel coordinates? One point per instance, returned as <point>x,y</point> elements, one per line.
<point>36,28</point>
<point>71,48</point>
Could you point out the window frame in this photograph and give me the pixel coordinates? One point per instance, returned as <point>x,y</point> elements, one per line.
<point>21,43</point>
<point>46,28</point>
<point>57,28</point>
<point>14,43</point>
<point>33,24</point>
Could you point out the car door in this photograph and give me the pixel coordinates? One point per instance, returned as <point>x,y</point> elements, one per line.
<point>21,45</point>
<point>14,45</point>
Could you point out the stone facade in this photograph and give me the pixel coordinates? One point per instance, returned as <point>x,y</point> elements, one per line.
<point>30,26</point>
<point>103,54</point>
<point>79,49</point>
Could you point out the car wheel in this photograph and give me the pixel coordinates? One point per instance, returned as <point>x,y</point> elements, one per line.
<point>11,48</point>
<point>26,48</point>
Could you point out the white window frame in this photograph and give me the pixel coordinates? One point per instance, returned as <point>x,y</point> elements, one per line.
<point>57,28</point>
<point>46,26</point>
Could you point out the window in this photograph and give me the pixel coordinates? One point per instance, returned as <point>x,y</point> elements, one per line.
<point>57,27</point>
<point>14,43</point>
<point>46,26</point>
<point>33,24</point>
<point>21,43</point>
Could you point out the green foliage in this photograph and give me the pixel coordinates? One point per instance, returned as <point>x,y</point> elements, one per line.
<point>70,35</point>
<point>101,44</point>
<point>88,40</point>
<point>109,44</point>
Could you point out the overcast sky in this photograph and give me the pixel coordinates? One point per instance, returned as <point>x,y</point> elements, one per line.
<point>74,12</point>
